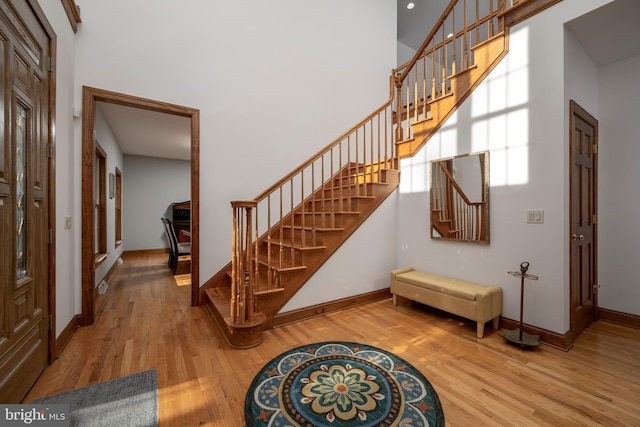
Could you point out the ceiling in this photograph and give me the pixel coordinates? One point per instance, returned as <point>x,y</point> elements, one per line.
<point>415,25</point>
<point>143,132</point>
<point>610,33</point>
<point>607,34</point>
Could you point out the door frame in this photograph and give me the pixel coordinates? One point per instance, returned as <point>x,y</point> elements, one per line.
<point>90,96</point>
<point>576,110</point>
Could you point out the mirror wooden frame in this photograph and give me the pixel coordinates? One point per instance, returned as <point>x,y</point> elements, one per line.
<point>459,198</point>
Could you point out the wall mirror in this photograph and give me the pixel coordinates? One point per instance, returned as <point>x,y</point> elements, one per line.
<point>460,198</point>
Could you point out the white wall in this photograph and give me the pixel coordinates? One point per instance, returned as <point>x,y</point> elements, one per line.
<point>362,264</point>
<point>150,185</point>
<point>518,114</point>
<point>405,53</point>
<point>618,186</point>
<point>107,140</point>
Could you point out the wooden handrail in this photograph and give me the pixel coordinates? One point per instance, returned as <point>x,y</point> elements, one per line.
<point>425,43</point>
<point>455,184</point>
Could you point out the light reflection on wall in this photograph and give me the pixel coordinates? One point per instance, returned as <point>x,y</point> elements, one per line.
<point>442,144</point>
<point>499,122</point>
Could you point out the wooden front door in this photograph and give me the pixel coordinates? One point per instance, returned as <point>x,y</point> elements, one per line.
<point>24,200</point>
<point>583,187</point>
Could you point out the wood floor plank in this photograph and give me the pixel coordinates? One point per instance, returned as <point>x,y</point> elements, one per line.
<point>144,321</point>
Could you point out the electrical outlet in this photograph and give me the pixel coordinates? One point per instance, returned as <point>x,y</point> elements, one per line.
<point>102,288</point>
<point>535,216</point>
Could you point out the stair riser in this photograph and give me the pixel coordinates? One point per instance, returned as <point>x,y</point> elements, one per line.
<point>325,220</point>
<point>376,168</point>
<point>359,177</point>
<point>371,189</point>
<point>292,257</point>
<point>270,278</point>
<point>263,278</point>
<point>299,237</point>
<point>289,257</point>
<point>346,190</point>
<point>344,204</point>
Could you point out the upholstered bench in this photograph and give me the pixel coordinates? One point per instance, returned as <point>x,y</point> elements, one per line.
<point>465,299</point>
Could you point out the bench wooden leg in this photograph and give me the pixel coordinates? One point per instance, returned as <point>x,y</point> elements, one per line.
<point>480,329</point>
<point>395,299</point>
<point>496,323</point>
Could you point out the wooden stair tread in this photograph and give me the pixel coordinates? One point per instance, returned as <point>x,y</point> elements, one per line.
<point>258,319</point>
<point>265,262</point>
<point>321,212</point>
<point>269,291</point>
<point>310,228</point>
<point>423,120</point>
<point>351,184</point>
<point>405,141</point>
<point>220,298</point>
<point>298,246</point>
<point>341,198</point>
<point>439,98</point>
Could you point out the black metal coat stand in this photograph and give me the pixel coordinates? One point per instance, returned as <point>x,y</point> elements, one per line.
<point>518,336</point>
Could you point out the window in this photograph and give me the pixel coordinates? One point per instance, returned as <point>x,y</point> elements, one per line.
<point>118,207</point>
<point>21,130</point>
<point>100,204</point>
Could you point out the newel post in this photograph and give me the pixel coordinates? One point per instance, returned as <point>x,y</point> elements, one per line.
<point>502,6</point>
<point>398,85</point>
<point>242,271</point>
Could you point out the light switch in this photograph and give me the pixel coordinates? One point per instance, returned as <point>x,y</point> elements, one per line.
<point>67,222</point>
<point>535,216</point>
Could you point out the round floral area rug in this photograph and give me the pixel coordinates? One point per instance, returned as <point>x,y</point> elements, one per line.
<point>341,384</point>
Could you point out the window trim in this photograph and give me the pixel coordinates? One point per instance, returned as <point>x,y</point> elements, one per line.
<point>100,205</point>
<point>118,208</point>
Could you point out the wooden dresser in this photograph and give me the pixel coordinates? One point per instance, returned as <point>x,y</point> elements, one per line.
<point>182,219</point>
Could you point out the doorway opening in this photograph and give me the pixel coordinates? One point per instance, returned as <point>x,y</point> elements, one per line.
<point>90,96</point>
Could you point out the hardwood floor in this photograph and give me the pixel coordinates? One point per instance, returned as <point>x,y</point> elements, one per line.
<point>145,321</point>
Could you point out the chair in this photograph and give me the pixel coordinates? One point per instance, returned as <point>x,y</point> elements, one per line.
<point>175,249</point>
<point>167,223</point>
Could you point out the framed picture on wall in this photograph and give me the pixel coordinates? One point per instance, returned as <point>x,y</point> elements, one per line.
<point>112,185</point>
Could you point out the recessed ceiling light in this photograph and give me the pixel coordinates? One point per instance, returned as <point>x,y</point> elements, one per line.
<point>410,6</point>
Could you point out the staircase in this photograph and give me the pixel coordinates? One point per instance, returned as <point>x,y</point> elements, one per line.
<point>294,248</point>
<point>283,236</point>
<point>444,227</point>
